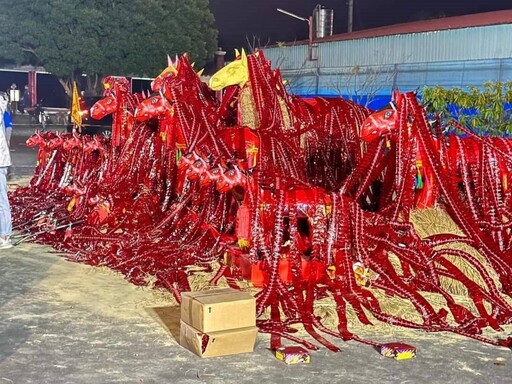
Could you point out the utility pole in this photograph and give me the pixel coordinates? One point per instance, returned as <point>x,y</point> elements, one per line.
<point>350,15</point>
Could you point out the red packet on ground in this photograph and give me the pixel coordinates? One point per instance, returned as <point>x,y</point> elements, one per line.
<point>293,355</point>
<point>399,351</point>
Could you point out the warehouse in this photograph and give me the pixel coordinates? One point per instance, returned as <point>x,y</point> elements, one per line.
<point>366,65</point>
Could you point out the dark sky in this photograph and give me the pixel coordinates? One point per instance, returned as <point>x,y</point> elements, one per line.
<point>259,22</point>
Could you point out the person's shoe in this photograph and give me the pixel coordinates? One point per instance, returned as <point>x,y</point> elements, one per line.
<point>5,243</point>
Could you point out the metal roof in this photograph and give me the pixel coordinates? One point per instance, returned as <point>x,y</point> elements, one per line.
<point>456,22</point>
<point>471,43</point>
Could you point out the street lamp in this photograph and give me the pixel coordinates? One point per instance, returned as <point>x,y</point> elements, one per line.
<point>310,29</point>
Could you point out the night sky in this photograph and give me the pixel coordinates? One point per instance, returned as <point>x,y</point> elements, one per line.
<point>258,20</point>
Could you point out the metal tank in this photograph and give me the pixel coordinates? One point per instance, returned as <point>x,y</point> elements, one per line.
<point>323,20</point>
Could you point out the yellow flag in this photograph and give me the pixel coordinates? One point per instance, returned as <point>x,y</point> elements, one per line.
<point>76,116</point>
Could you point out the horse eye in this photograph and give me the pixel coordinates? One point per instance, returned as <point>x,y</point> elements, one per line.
<point>154,101</point>
<point>388,114</point>
<point>109,101</point>
<point>231,173</point>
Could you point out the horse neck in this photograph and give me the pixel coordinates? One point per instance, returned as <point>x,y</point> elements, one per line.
<point>189,110</point>
<point>248,115</point>
<point>266,102</point>
<point>132,101</point>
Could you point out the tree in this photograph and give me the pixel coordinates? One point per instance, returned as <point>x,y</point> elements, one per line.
<point>99,37</point>
<point>483,110</point>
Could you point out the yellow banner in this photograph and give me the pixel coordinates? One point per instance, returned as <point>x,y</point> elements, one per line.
<point>76,116</point>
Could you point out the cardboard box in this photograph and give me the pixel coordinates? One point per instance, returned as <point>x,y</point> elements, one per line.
<point>293,355</point>
<point>219,343</point>
<point>218,310</point>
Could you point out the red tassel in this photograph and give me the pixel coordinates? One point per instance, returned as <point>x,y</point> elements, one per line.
<point>243,221</point>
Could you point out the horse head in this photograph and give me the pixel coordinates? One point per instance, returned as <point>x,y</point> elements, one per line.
<point>55,142</point>
<point>385,120</point>
<point>152,107</point>
<point>72,142</point>
<point>111,84</point>
<point>234,73</point>
<point>35,140</point>
<point>210,176</point>
<point>187,160</point>
<point>158,84</point>
<point>230,178</point>
<point>178,77</point>
<point>379,123</point>
<point>197,168</point>
<point>104,107</point>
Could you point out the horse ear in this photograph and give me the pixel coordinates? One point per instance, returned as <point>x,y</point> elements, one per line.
<point>244,56</point>
<point>169,60</point>
<point>396,97</point>
<point>399,99</point>
<point>223,164</point>
<point>237,53</point>
<point>200,72</point>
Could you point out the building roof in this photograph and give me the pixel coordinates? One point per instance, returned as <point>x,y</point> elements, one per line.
<point>456,22</point>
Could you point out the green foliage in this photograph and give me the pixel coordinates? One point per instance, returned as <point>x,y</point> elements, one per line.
<point>485,110</point>
<point>100,37</point>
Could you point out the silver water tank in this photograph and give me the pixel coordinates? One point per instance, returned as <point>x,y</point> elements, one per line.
<point>323,20</point>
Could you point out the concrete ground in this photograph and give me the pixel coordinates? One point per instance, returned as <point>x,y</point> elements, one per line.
<point>62,322</point>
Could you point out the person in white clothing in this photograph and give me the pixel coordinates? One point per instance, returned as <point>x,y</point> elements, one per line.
<point>5,162</point>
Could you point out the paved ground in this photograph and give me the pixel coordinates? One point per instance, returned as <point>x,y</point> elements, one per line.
<point>62,322</point>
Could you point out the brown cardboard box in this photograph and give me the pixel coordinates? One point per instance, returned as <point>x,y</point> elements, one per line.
<point>218,310</point>
<point>219,343</point>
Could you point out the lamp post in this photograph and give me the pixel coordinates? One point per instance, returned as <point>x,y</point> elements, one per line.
<point>310,29</point>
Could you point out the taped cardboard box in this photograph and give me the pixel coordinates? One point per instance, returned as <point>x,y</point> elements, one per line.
<point>219,343</point>
<point>218,310</point>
